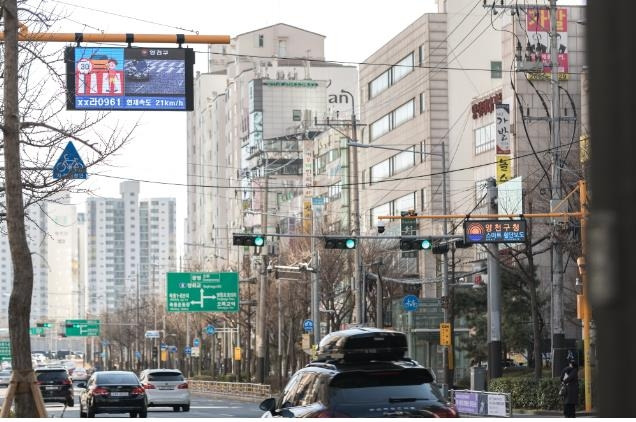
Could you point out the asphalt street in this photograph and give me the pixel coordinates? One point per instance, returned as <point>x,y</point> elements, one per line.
<point>202,406</point>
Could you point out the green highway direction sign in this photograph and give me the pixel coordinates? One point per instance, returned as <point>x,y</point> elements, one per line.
<point>36,331</point>
<point>5,350</point>
<point>202,292</point>
<point>81,327</point>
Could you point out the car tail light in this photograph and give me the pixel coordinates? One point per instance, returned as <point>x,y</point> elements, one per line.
<point>100,391</point>
<point>445,412</point>
<point>328,413</point>
<point>148,386</point>
<point>182,386</point>
<point>67,382</point>
<point>139,391</point>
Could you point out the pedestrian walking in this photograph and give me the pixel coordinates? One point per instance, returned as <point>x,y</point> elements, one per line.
<point>570,389</point>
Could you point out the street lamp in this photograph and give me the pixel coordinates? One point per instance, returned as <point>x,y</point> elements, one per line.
<point>442,154</point>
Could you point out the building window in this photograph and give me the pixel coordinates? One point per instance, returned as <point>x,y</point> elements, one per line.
<point>402,68</point>
<point>384,209</point>
<point>282,48</point>
<point>392,120</point>
<point>391,76</point>
<point>296,115</point>
<point>405,203</point>
<point>485,138</point>
<point>422,104</point>
<point>261,40</point>
<point>420,51</point>
<point>380,171</point>
<point>379,84</point>
<point>495,70</point>
<point>404,160</point>
<point>379,127</point>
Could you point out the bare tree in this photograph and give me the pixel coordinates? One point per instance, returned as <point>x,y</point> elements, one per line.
<point>35,131</point>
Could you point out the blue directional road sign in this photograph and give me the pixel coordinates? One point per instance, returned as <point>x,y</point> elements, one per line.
<point>308,325</point>
<point>187,350</point>
<point>410,303</point>
<point>196,342</point>
<point>210,330</point>
<point>172,349</point>
<point>69,164</point>
<point>138,355</point>
<point>163,346</point>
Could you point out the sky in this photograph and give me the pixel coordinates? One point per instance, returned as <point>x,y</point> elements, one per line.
<point>353,31</point>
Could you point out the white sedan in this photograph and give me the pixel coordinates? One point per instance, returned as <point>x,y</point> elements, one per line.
<point>79,374</point>
<point>166,388</point>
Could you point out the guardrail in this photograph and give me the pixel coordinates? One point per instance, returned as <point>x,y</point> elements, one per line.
<point>482,403</point>
<point>242,389</point>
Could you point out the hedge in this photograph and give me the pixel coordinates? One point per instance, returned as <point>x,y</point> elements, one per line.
<point>532,393</point>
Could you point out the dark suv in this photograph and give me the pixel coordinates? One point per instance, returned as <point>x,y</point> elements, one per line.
<point>55,385</point>
<point>361,372</point>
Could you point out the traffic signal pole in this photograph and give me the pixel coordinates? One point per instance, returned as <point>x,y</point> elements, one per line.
<point>25,35</point>
<point>494,295</point>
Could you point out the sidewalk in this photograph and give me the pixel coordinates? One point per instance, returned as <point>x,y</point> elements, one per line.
<point>550,413</point>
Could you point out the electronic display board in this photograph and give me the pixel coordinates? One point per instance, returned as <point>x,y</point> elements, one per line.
<point>133,78</point>
<point>495,231</point>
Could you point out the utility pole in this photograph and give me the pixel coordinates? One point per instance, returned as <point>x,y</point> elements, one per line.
<point>353,183</point>
<point>445,359</point>
<point>315,281</point>
<point>494,294</point>
<point>558,333</point>
<point>262,292</point>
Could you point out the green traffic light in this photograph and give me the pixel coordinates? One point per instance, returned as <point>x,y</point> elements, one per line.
<point>259,241</point>
<point>426,244</point>
<point>350,243</point>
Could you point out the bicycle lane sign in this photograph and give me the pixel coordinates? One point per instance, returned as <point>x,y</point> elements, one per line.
<point>69,165</point>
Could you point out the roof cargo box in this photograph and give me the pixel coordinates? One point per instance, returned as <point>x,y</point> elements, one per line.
<point>363,344</point>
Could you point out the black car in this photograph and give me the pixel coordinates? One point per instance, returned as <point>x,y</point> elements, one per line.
<point>113,392</point>
<point>361,372</point>
<point>55,385</point>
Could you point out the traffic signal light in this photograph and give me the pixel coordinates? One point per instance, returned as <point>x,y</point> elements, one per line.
<point>248,240</point>
<point>413,244</point>
<point>440,248</point>
<point>340,243</point>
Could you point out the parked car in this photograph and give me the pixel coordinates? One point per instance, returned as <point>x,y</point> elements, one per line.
<point>55,385</point>
<point>5,377</point>
<point>79,374</point>
<point>166,388</point>
<point>361,372</point>
<point>113,392</point>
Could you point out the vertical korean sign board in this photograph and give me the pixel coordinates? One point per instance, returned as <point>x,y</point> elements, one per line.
<point>502,126</point>
<point>133,78</point>
<point>538,29</point>
<point>202,292</point>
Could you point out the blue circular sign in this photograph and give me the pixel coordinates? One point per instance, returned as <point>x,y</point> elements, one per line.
<point>308,325</point>
<point>410,303</point>
<point>196,342</point>
<point>210,329</point>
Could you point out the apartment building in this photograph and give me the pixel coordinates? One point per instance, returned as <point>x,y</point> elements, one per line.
<point>264,95</point>
<point>131,245</point>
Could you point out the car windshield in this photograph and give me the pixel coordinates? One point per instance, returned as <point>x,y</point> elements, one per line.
<point>51,375</point>
<point>117,379</point>
<point>384,386</point>
<point>165,376</point>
